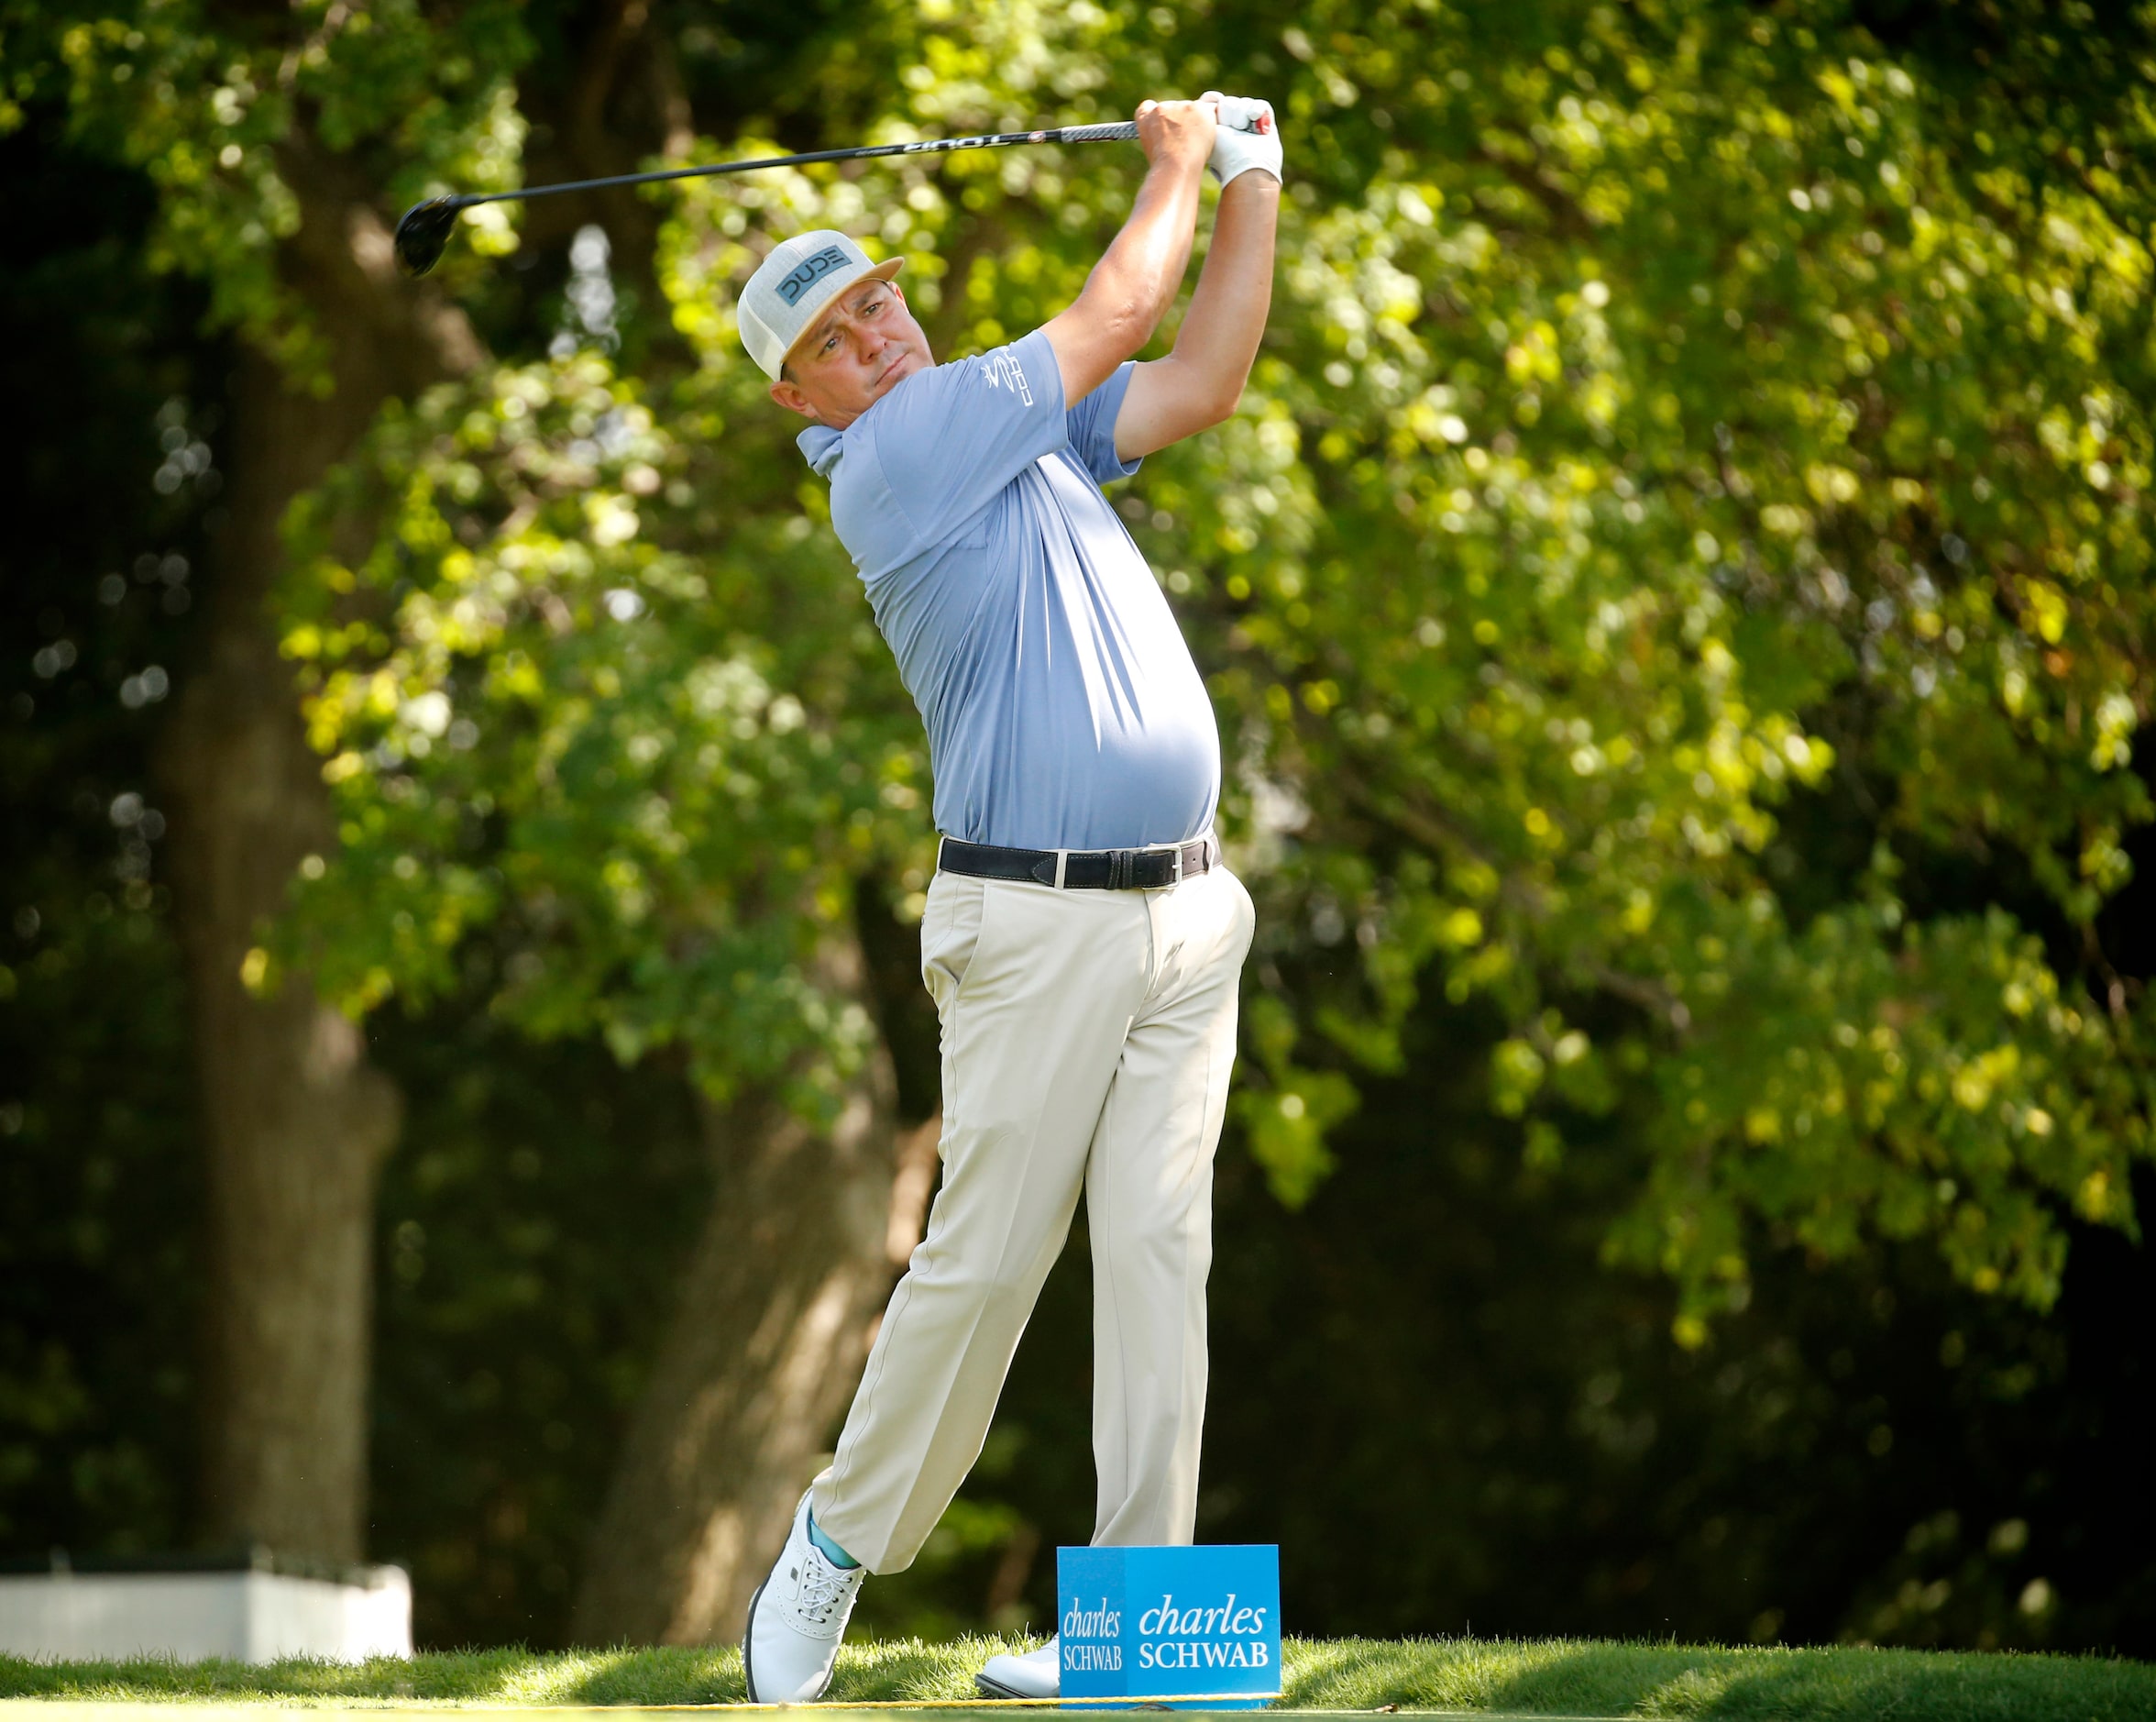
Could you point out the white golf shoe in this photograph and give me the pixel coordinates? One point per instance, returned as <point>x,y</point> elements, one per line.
<point>797,1620</point>
<point>1035,1674</point>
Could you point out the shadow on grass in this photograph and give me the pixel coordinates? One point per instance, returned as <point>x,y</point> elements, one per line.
<point>471,1675</point>
<point>896,1669</point>
<point>1560,1678</point>
<point>1819,1684</point>
<point>1549,1677</point>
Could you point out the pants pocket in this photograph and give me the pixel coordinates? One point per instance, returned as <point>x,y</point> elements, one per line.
<point>950,935</point>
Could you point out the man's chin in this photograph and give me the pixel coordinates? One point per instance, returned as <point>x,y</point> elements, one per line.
<point>897,374</point>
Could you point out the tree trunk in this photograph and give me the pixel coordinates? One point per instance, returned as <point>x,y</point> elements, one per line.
<point>808,1230</point>
<point>295,1122</point>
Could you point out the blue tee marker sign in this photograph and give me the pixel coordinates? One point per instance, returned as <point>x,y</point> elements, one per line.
<point>1195,1628</point>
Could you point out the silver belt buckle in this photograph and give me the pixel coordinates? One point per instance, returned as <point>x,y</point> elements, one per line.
<point>1175,875</point>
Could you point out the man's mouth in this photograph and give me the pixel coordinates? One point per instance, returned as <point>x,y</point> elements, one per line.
<point>884,377</point>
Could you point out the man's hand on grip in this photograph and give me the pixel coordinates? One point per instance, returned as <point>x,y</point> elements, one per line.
<point>1247,136</point>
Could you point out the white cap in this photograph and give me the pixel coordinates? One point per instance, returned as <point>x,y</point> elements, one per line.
<point>793,284</point>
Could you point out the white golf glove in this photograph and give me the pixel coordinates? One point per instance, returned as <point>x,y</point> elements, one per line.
<point>1248,137</point>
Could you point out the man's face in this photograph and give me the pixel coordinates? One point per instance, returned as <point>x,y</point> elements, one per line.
<point>863,346</point>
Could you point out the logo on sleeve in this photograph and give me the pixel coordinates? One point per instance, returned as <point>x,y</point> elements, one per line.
<point>1003,371</point>
<point>792,286</point>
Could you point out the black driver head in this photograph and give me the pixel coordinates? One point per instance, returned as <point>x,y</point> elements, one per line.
<point>424,231</point>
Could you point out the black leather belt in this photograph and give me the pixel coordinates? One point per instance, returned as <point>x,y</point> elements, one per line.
<point>1081,870</point>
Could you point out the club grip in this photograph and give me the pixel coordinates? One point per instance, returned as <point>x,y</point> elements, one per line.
<point>1236,113</point>
<point>1121,132</point>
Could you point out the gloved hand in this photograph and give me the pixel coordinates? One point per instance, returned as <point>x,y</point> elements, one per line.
<point>1248,137</point>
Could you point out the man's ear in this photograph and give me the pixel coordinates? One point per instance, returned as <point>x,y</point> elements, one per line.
<point>789,396</point>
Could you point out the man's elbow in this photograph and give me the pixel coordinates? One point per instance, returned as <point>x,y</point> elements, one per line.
<point>1217,404</point>
<point>1125,324</point>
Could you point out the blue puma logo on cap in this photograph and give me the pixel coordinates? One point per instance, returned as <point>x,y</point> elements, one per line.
<point>791,286</point>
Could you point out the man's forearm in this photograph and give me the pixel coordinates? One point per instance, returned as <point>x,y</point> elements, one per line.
<point>1218,339</point>
<point>1137,277</point>
<point>1199,383</point>
<point>1139,273</point>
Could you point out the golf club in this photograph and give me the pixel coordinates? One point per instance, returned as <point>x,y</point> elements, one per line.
<point>424,229</point>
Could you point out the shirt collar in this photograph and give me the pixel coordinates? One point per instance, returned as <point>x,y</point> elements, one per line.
<point>822,445</point>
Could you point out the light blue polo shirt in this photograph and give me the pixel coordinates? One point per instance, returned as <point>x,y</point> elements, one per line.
<point>1062,707</point>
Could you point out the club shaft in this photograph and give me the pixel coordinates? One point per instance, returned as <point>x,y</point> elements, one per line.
<point>940,145</point>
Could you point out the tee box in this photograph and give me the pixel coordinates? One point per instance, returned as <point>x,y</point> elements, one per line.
<point>1195,1628</point>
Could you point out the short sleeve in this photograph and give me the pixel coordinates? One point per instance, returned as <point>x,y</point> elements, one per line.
<point>948,440</point>
<point>1093,428</point>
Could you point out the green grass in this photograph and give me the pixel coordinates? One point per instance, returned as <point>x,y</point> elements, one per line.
<point>1488,1678</point>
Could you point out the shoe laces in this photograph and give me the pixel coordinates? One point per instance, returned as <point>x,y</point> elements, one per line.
<point>822,1589</point>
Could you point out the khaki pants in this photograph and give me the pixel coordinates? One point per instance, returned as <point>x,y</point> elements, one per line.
<point>1087,1039</point>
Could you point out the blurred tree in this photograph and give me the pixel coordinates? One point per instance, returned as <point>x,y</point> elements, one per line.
<point>267,142</point>
<point>100,1190</point>
<point>1687,506</point>
<point>532,1228</point>
<point>1678,584</point>
<point>605,773</point>
<point>1867,1452</point>
<point>246,145</point>
<point>1633,617</point>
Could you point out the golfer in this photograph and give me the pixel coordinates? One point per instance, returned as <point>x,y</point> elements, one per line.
<point>1082,939</point>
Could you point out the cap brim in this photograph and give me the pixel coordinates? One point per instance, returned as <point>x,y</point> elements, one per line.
<point>885,271</point>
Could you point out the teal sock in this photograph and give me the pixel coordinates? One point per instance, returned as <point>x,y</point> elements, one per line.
<point>832,1551</point>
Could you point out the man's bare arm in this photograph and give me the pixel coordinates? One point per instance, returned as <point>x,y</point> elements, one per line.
<point>1198,384</point>
<point>1139,276</point>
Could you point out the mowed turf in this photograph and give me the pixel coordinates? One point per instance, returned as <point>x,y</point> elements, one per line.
<point>1487,1678</point>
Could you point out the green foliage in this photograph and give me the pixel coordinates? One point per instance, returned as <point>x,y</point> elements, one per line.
<point>220,113</point>
<point>1675,418</point>
<point>1866,1452</point>
<point>586,699</point>
<point>1680,418</point>
<point>1676,587</point>
<point>1667,427</point>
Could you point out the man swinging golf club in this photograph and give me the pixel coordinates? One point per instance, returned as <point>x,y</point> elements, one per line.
<point>1082,939</point>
